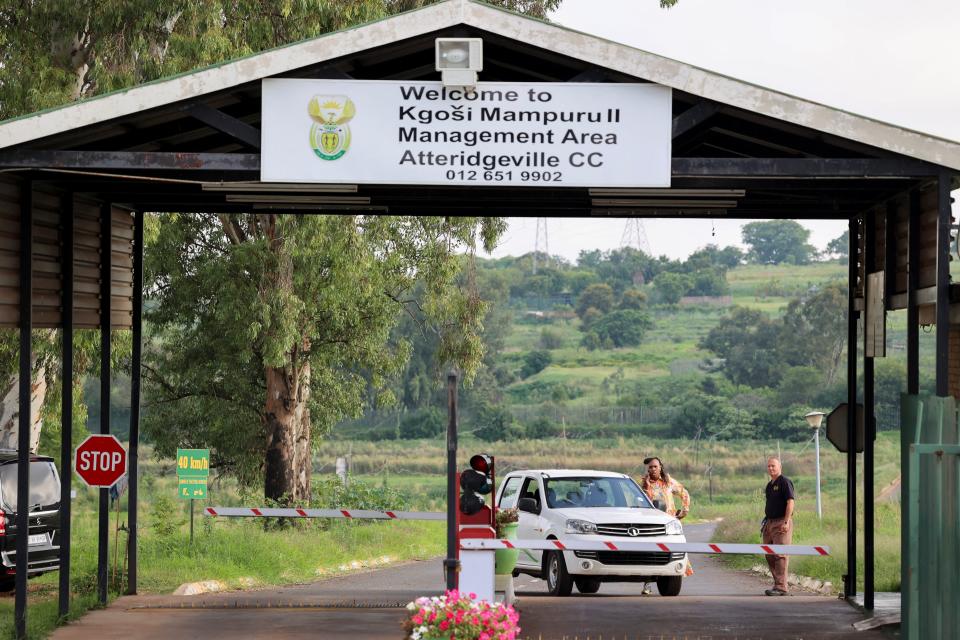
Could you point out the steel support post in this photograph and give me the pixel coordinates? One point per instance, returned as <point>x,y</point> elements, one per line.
<point>869,423</point>
<point>913,284</point>
<point>850,586</point>
<point>133,504</point>
<point>66,404</point>
<point>943,283</point>
<point>23,425</point>
<point>106,264</point>
<point>908,432</point>
<point>451,564</point>
<point>816,447</point>
<point>890,249</point>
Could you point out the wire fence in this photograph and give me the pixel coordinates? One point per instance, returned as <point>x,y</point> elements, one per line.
<point>607,415</point>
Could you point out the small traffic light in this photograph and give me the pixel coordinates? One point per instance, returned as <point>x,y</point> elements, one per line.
<point>476,482</point>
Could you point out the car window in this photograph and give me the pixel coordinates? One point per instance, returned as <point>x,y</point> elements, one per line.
<point>44,484</point>
<point>531,489</point>
<point>567,493</point>
<point>510,493</point>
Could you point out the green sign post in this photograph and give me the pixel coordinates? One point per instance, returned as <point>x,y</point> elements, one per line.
<point>193,468</point>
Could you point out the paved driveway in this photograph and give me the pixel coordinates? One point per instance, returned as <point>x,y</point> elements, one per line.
<point>715,603</point>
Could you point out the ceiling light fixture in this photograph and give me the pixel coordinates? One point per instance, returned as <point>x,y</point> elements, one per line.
<point>294,199</point>
<point>278,187</point>
<point>664,203</point>
<point>690,193</point>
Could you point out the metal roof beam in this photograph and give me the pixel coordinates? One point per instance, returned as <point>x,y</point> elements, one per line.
<point>802,167</point>
<point>694,117</point>
<point>131,160</point>
<point>857,168</point>
<point>227,124</point>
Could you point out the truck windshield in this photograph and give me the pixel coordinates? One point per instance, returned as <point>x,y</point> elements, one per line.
<point>44,485</point>
<point>567,493</point>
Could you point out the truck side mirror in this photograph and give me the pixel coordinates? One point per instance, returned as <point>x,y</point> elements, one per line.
<point>529,505</point>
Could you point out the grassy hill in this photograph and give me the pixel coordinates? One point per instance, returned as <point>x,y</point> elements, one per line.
<point>670,347</point>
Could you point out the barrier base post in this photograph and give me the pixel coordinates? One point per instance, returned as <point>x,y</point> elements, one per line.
<point>503,588</point>
<point>476,573</point>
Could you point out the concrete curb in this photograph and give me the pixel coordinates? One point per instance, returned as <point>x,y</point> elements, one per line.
<point>199,588</point>
<point>803,582</point>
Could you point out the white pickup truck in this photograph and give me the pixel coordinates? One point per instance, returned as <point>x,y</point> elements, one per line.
<point>575,504</point>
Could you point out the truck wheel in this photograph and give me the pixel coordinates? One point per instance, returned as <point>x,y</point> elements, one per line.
<point>587,585</point>
<point>669,585</point>
<point>7,585</point>
<point>559,582</point>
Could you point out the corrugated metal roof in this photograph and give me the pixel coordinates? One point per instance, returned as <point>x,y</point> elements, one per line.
<point>523,30</point>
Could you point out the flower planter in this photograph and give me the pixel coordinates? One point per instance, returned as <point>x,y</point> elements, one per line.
<point>506,559</point>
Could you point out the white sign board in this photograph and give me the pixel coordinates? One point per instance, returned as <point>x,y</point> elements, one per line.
<point>519,134</point>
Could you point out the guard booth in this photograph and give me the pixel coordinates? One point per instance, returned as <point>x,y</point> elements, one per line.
<point>359,122</point>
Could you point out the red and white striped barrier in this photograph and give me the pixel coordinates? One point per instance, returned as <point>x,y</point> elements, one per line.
<point>636,545</point>
<point>266,512</point>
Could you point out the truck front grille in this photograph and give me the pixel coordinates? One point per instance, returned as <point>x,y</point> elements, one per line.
<point>656,558</point>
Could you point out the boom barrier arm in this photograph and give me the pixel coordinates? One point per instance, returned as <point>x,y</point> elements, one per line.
<point>636,545</point>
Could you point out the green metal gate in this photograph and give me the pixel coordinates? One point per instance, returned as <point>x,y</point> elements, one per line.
<point>930,535</point>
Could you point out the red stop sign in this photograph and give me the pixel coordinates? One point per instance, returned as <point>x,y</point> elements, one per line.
<point>100,460</point>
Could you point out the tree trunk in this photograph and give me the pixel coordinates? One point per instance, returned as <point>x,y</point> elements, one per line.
<point>10,411</point>
<point>286,413</point>
<point>287,418</point>
<point>302,458</point>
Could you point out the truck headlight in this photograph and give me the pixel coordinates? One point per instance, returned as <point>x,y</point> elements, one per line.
<point>580,526</point>
<point>674,528</point>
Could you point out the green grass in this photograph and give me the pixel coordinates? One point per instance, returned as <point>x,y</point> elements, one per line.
<point>741,523</point>
<point>738,476</point>
<point>239,552</point>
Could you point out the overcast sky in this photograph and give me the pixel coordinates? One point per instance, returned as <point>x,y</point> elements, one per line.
<point>892,60</point>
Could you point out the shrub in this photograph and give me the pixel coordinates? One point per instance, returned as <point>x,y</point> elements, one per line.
<point>541,428</point>
<point>590,341</point>
<point>596,296</point>
<point>633,299</point>
<point>166,516</point>
<point>426,423</point>
<point>624,328</point>
<point>535,362</point>
<point>550,339</point>
<point>495,422</point>
<point>330,493</point>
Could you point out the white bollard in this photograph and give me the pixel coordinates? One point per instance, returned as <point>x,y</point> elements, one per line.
<point>476,573</point>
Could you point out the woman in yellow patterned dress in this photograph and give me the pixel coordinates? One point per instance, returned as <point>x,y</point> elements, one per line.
<point>658,485</point>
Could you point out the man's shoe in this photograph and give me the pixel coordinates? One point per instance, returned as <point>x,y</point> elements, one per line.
<point>775,592</point>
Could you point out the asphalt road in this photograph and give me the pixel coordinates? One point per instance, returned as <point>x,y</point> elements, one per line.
<point>715,603</point>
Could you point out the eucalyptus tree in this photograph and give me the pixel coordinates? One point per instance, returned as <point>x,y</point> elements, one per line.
<point>269,329</point>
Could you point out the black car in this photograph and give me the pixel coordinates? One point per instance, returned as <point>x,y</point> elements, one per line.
<point>44,522</point>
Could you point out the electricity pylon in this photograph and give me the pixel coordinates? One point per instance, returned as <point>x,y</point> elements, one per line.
<point>635,235</point>
<point>542,242</point>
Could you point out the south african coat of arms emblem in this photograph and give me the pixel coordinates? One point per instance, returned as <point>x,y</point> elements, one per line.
<point>330,133</point>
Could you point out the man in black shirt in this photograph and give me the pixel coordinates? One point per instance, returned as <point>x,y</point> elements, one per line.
<point>778,523</point>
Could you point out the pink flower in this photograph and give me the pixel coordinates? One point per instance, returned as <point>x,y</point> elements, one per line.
<point>444,625</point>
<point>418,619</point>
